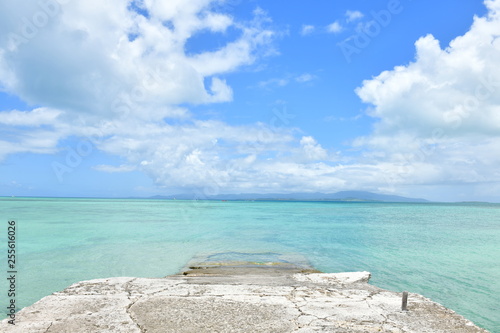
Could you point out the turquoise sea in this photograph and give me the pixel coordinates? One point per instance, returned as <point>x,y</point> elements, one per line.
<point>447,252</point>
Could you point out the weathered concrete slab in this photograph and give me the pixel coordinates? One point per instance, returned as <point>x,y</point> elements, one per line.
<point>236,298</point>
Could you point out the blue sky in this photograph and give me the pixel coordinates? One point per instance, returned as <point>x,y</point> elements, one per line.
<point>163,97</point>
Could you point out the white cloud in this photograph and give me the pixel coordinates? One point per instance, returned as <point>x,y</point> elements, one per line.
<point>217,22</point>
<point>307,29</point>
<point>312,150</point>
<point>456,89</point>
<point>37,117</point>
<point>37,131</point>
<point>113,169</point>
<point>203,154</point>
<point>284,81</point>
<point>305,78</point>
<point>439,116</point>
<point>220,90</point>
<point>35,141</point>
<point>82,58</point>
<point>353,15</point>
<point>336,118</point>
<point>278,82</point>
<point>113,76</point>
<point>334,27</point>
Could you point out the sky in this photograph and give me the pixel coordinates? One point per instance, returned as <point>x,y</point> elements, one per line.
<point>140,98</point>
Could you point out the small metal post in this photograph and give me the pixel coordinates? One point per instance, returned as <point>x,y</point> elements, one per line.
<point>404,305</point>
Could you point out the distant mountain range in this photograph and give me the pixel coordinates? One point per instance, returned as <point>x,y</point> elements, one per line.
<point>338,196</point>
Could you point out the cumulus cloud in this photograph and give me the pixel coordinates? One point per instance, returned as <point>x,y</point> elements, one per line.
<point>209,153</point>
<point>439,116</point>
<point>334,27</point>
<point>93,57</point>
<point>36,118</point>
<point>122,79</point>
<point>305,78</point>
<point>455,89</point>
<point>284,81</point>
<point>36,131</point>
<point>113,75</point>
<point>113,169</point>
<point>307,29</point>
<point>312,149</point>
<point>353,15</point>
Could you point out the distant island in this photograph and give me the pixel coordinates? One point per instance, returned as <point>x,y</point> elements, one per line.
<point>344,196</point>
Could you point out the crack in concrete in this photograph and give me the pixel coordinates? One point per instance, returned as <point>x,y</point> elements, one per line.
<point>129,295</point>
<point>157,292</point>
<point>292,297</point>
<point>142,329</point>
<point>48,328</point>
<point>305,306</point>
<point>386,320</point>
<point>293,300</point>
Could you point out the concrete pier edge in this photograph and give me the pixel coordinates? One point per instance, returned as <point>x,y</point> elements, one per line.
<point>236,296</point>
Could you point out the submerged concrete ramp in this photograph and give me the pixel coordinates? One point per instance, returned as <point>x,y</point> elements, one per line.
<point>236,297</point>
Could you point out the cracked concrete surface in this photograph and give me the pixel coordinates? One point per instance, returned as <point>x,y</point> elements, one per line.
<point>235,299</point>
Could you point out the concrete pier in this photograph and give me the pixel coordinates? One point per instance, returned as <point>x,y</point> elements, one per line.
<point>236,297</point>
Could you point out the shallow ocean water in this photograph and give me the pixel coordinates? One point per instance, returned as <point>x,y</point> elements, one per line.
<point>447,252</point>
